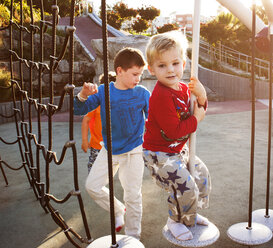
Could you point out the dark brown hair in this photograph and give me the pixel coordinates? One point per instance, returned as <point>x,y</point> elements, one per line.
<point>111,76</point>
<point>128,57</point>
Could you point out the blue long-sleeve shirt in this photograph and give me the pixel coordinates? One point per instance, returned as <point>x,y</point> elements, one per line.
<point>129,109</point>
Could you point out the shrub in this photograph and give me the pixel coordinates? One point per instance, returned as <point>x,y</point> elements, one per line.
<point>166,28</point>
<point>5,89</point>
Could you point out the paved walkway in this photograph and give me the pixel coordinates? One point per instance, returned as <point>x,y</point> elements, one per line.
<point>223,143</point>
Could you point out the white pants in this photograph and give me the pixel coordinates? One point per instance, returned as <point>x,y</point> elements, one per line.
<point>131,167</point>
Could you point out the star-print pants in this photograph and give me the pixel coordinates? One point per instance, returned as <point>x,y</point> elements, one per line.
<point>186,192</point>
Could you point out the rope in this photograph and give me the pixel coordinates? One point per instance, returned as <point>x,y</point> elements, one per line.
<point>32,150</point>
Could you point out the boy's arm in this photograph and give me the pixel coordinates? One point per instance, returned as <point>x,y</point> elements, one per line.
<point>87,90</point>
<point>83,104</point>
<point>85,128</point>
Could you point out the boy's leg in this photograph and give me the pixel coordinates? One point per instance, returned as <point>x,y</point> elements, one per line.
<point>96,181</point>
<point>172,174</point>
<point>130,175</point>
<point>201,177</point>
<point>203,181</point>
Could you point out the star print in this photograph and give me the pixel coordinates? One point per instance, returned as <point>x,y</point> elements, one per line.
<point>153,172</point>
<point>169,161</point>
<point>188,216</point>
<point>182,187</point>
<point>146,152</point>
<point>154,159</point>
<point>200,204</point>
<point>172,176</point>
<point>165,181</point>
<point>196,174</point>
<point>159,179</point>
<point>186,208</point>
<point>170,154</point>
<point>178,162</point>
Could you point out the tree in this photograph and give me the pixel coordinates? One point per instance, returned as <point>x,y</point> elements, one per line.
<point>117,14</point>
<point>166,28</point>
<point>140,25</point>
<point>140,19</point>
<point>123,10</point>
<point>113,19</point>
<point>149,13</point>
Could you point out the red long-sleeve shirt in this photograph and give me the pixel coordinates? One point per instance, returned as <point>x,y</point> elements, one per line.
<point>169,121</point>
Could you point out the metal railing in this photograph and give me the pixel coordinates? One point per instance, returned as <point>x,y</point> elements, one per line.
<point>233,59</point>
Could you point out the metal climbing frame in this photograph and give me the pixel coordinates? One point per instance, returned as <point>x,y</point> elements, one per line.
<point>32,151</point>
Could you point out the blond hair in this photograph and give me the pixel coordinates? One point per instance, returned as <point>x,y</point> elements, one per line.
<point>162,42</point>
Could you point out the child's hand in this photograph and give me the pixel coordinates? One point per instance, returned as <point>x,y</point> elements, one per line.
<point>197,88</point>
<point>199,113</point>
<point>88,89</point>
<point>85,146</point>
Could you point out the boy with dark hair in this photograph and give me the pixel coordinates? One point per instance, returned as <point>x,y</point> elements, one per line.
<point>129,106</point>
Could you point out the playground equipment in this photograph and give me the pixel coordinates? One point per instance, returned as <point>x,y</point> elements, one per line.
<point>265,216</point>
<point>26,139</point>
<point>250,233</point>
<point>32,151</point>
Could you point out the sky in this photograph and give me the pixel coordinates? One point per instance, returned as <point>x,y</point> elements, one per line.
<point>208,7</point>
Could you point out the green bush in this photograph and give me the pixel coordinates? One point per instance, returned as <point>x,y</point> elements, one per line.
<point>5,90</point>
<point>5,13</point>
<point>4,16</point>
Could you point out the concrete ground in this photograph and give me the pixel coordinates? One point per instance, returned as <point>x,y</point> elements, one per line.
<point>223,143</point>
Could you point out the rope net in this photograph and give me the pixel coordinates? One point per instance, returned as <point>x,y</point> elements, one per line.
<point>36,156</point>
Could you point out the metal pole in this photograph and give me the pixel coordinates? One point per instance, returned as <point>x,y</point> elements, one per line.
<point>269,125</point>
<point>108,123</point>
<point>252,116</point>
<point>194,72</point>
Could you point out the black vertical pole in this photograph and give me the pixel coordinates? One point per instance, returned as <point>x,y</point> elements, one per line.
<point>108,122</point>
<point>269,128</point>
<point>252,116</point>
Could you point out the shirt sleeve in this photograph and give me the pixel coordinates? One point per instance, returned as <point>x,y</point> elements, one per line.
<point>147,97</point>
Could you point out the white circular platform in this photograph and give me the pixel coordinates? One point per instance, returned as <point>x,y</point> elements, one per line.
<point>202,236</point>
<point>258,216</point>
<point>123,241</point>
<point>258,234</point>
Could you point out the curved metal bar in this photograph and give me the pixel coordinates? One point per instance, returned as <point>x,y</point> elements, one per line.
<point>26,136</point>
<point>71,193</point>
<point>8,143</point>
<point>12,168</point>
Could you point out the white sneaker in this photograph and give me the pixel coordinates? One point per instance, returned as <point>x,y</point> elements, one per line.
<point>119,223</point>
<point>178,230</point>
<point>201,220</point>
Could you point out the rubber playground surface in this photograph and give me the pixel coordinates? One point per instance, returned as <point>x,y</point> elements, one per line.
<point>223,142</point>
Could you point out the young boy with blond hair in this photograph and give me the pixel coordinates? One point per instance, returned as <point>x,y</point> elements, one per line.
<point>129,106</point>
<point>168,128</point>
